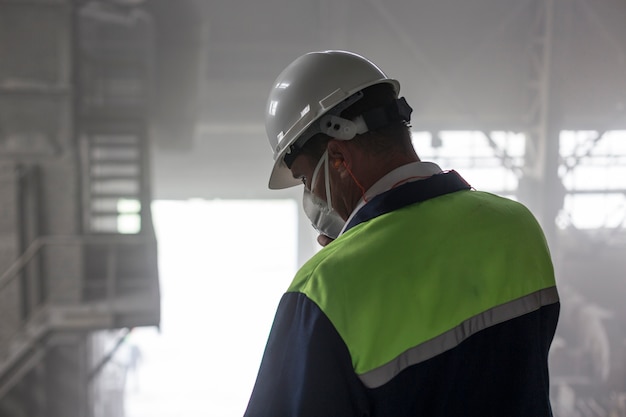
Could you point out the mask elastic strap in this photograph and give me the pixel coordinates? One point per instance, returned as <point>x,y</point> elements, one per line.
<point>323,160</point>
<point>327,181</point>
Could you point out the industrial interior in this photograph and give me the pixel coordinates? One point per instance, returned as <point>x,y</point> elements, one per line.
<point>109,106</point>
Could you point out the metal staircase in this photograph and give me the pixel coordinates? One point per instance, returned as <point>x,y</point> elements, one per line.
<point>78,252</point>
<point>113,175</point>
<point>122,301</point>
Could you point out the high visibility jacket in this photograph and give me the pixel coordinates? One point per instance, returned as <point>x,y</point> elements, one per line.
<point>437,301</point>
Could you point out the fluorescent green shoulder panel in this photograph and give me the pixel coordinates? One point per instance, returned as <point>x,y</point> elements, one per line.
<point>408,276</point>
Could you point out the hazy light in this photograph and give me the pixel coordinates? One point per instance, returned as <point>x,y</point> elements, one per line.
<point>475,158</point>
<point>125,205</point>
<point>128,223</point>
<point>594,211</point>
<point>224,266</point>
<point>128,219</point>
<point>593,171</point>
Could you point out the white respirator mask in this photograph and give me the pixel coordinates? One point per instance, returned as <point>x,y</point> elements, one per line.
<point>321,213</point>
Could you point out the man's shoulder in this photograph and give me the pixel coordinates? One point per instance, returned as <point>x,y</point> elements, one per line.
<point>310,273</point>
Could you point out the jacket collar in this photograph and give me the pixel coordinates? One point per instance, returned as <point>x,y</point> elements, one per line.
<point>406,194</point>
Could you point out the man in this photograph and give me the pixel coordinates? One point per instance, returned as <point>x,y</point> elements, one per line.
<point>429,298</point>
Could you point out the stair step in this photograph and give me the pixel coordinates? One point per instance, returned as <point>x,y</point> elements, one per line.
<point>130,196</point>
<point>121,176</point>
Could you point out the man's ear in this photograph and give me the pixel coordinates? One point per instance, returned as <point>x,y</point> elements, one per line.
<point>339,153</point>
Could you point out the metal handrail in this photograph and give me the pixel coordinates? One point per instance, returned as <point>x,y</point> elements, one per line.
<point>38,316</point>
<point>33,249</point>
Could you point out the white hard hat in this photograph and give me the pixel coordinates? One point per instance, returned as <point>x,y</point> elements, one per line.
<point>307,89</point>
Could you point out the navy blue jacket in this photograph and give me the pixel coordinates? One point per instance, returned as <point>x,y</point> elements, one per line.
<point>307,369</point>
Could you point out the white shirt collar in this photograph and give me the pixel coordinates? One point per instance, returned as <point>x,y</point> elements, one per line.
<point>413,171</point>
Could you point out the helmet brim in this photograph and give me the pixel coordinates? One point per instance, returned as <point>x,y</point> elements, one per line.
<point>281,176</point>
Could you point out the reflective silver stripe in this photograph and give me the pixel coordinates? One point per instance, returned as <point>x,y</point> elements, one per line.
<point>454,337</point>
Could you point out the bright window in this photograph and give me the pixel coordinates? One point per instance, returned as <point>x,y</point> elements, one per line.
<point>593,171</point>
<point>223,266</point>
<point>488,161</point>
